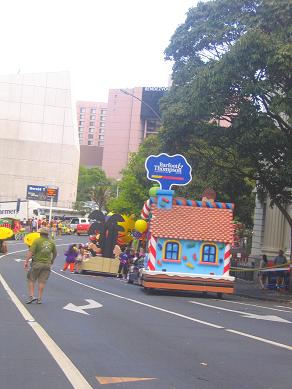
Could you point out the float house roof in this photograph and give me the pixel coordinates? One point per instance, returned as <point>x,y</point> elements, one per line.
<point>192,223</point>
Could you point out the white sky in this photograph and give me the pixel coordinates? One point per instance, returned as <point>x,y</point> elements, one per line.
<point>103,43</point>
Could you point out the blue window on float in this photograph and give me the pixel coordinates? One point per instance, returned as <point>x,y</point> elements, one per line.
<point>209,254</point>
<point>172,251</point>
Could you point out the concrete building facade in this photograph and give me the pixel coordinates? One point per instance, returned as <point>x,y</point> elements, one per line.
<point>38,135</point>
<point>271,231</point>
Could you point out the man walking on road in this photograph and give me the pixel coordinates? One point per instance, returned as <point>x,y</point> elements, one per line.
<point>43,253</point>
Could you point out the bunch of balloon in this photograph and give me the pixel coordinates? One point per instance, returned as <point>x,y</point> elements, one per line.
<point>141,226</point>
<point>5,233</point>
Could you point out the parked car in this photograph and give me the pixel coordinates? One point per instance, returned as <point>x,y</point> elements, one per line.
<point>134,271</point>
<point>82,229</point>
<point>78,220</point>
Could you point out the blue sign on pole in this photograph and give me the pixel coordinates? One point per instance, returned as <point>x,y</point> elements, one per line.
<point>36,192</point>
<point>168,170</point>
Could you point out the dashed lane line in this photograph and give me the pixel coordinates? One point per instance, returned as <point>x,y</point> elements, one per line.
<point>263,340</point>
<point>252,305</point>
<point>267,341</point>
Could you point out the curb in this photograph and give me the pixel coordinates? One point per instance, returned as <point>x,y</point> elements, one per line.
<point>264,298</point>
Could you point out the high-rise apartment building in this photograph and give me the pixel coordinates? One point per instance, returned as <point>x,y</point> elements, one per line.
<point>91,118</point>
<point>132,115</point>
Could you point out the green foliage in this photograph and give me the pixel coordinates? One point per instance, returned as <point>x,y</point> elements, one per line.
<point>93,186</point>
<point>229,109</point>
<point>134,186</point>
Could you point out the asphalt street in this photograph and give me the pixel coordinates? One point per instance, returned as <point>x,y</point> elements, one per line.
<point>92,331</point>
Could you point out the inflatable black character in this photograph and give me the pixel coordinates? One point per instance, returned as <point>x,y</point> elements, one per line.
<point>108,230</point>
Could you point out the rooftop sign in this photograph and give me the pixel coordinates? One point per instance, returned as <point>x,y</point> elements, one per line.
<point>168,170</point>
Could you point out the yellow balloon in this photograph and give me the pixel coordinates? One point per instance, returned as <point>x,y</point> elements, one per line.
<point>30,238</point>
<point>5,233</point>
<point>141,226</point>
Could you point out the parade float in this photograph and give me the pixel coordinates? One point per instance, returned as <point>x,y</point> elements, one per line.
<point>14,225</point>
<point>110,230</point>
<point>188,241</point>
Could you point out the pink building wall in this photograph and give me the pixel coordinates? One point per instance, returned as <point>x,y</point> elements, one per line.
<point>124,130</point>
<point>91,119</point>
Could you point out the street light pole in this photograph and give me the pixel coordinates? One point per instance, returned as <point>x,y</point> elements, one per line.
<point>143,102</point>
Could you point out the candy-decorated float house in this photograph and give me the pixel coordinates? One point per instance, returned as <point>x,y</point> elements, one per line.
<point>189,241</point>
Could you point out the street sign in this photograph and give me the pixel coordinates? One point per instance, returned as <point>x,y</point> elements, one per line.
<point>42,193</point>
<point>36,192</point>
<point>52,191</point>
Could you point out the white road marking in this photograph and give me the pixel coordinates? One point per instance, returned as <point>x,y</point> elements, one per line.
<point>22,251</point>
<point>81,308</point>
<point>245,314</point>
<point>74,376</point>
<point>253,305</point>
<point>139,302</point>
<point>281,345</point>
<point>260,339</point>
<point>18,260</point>
<point>283,306</point>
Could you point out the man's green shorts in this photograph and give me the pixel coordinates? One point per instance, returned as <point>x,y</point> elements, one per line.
<point>39,272</point>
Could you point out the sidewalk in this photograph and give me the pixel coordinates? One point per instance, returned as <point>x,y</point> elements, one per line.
<point>251,290</point>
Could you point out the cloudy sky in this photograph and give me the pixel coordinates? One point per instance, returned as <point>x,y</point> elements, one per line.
<point>103,43</point>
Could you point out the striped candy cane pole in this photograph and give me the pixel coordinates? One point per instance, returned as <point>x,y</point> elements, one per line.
<point>152,253</point>
<point>227,257</point>
<point>146,209</point>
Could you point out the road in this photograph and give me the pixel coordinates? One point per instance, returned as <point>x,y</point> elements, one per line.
<point>124,338</point>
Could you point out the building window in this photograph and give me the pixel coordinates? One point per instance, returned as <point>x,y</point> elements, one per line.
<point>82,116</point>
<point>171,251</point>
<point>100,143</point>
<point>92,117</point>
<point>102,124</point>
<point>91,123</point>
<point>82,110</point>
<point>90,136</point>
<point>103,111</point>
<point>80,129</point>
<point>209,254</point>
<point>81,123</point>
<point>102,118</point>
<point>93,110</point>
<point>90,130</point>
<point>90,142</point>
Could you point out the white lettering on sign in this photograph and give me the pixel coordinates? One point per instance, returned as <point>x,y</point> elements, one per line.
<point>36,188</point>
<point>168,168</point>
<point>156,89</point>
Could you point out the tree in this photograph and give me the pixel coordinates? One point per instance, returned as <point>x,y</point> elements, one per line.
<point>134,186</point>
<point>232,87</point>
<point>93,186</point>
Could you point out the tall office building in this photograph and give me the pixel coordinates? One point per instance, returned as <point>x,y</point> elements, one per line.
<point>91,117</point>
<point>132,115</point>
<point>38,135</point>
